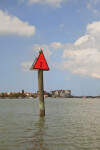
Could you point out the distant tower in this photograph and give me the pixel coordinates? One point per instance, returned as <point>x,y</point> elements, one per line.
<point>23,91</point>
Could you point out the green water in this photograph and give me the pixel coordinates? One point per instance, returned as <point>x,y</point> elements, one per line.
<point>69,124</point>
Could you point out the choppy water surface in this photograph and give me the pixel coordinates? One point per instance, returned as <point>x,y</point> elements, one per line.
<point>69,124</point>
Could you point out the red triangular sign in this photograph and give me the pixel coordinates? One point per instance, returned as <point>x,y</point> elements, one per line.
<point>40,62</point>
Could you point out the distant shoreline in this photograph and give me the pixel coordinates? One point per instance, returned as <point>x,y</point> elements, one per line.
<point>90,97</point>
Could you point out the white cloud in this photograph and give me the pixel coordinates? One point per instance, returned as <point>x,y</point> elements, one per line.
<point>34,1</point>
<point>81,40</point>
<point>53,3</point>
<point>94,28</point>
<point>10,25</point>
<point>83,57</point>
<point>61,25</point>
<point>91,4</point>
<point>56,45</point>
<point>26,66</point>
<point>82,61</point>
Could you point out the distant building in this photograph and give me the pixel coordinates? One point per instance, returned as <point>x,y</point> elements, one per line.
<point>52,93</point>
<point>45,95</point>
<point>23,91</point>
<point>28,93</point>
<point>61,93</point>
<point>57,93</point>
<point>68,93</point>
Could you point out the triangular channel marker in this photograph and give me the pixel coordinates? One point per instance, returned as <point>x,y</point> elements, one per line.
<point>40,62</point>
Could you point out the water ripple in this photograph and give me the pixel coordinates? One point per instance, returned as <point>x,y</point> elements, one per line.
<point>69,125</point>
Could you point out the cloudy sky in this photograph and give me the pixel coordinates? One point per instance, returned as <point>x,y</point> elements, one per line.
<point>68,31</point>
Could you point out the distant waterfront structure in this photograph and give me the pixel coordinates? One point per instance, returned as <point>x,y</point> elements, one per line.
<point>23,91</point>
<point>61,93</point>
<point>56,93</point>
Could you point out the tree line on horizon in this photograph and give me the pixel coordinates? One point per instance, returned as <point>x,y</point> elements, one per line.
<point>16,95</point>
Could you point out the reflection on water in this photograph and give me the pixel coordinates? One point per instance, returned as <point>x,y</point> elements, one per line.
<point>38,139</point>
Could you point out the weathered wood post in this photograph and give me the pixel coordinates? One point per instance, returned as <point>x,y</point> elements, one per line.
<point>40,64</point>
<point>41,93</point>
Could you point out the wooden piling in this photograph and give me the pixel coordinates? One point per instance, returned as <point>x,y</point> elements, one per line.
<point>41,93</point>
